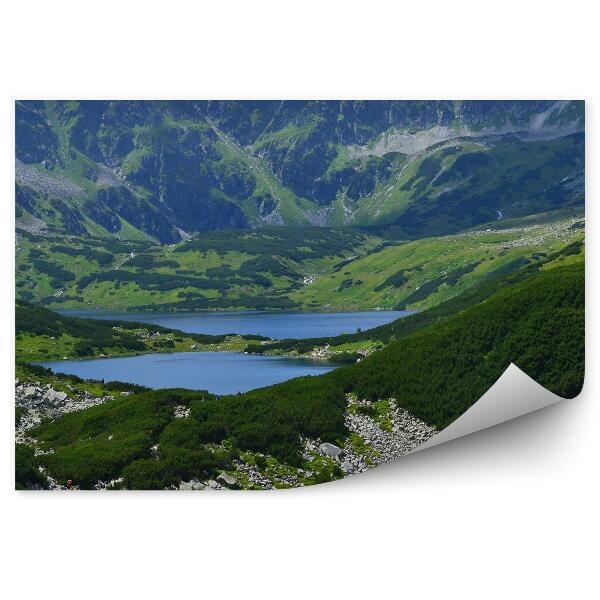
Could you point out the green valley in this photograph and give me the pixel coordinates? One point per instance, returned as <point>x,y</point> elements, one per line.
<point>353,347</point>
<point>282,268</point>
<point>138,441</point>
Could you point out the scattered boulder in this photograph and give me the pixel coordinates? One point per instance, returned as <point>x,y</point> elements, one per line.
<point>331,450</point>
<point>31,391</point>
<point>348,466</point>
<point>383,443</point>
<point>192,484</point>
<point>228,481</point>
<point>182,411</point>
<point>46,402</point>
<point>55,397</point>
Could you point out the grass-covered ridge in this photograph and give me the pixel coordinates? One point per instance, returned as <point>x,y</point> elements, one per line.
<point>283,268</point>
<point>42,334</point>
<point>422,273</point>
<point>438,372</point>
<point>368,340</point>
<point>435,373</point>
<point>216,270</point>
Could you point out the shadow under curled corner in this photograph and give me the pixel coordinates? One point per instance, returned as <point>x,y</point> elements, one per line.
<point>514,394</point>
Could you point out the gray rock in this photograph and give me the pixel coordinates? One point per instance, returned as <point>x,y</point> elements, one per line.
<point>348,467</point>
<point>193,484</point>
<point>331,450</point>
<point>228,481</point>
<point>182,411</point>
<point>54,396</point>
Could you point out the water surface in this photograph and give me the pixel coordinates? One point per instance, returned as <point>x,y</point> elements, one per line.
<point>222,372</point>
<point>276,325</point>
<point>217,372</point>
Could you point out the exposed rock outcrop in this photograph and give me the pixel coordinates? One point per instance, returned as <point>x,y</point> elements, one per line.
<point>44,401</point>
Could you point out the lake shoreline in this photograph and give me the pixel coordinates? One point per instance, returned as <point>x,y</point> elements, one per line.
<point>167,351</point>
<point>69,312</point>
<point>221,373</point>
<point>275,325</point>
<point>200,347</point>
<point>194,351</point>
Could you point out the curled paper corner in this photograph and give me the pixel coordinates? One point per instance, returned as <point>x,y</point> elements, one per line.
<point>514,394</point>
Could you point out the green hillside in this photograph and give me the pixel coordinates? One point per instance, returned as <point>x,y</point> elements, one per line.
<point>352,346</point>
<point>419,274</point>
<point>435,373</point>
<point>216,270</point>
<point>282,268</point>
<point>462,183</point>
<point>41,334</point>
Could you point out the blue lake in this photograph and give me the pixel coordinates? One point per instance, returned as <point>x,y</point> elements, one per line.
<point>217,372</point>
<point>276,325</point>
<point>222,372</point>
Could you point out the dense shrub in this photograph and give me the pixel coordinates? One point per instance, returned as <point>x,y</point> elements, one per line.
<point>265,264</point>
<point>437,373</point>
<point>27,475</point>
<point>166,264</point>
<point>506,268</point>
<point>396,280</point>
<point>141,261</point>
<point>154,281</point>
<point>429,287</point>
<point>345,357</point>
<point>164,344</point>
<point>57,274</point>
<point>84,449</point>
<point>253,302</point>
<point>296,244</point>
<point>101,257</point>
<point>173,466</point>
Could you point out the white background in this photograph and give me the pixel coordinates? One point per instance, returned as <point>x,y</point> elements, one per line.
<point>510,512</point>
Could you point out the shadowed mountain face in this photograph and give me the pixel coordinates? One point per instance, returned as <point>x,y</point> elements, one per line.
<point>139,169</point>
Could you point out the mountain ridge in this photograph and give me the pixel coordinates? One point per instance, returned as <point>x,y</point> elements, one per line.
<point>165,170</point>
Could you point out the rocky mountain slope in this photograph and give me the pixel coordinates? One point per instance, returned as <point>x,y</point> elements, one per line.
<point>167,169</point>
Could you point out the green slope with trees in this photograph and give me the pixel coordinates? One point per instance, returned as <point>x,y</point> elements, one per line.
<point>283,268</point>
<point>436,373</point>
<point>349,344</point>
<point>42,334</point>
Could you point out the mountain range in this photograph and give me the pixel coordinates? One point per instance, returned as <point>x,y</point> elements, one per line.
<point>467,214</point>
<point>166,170</point>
